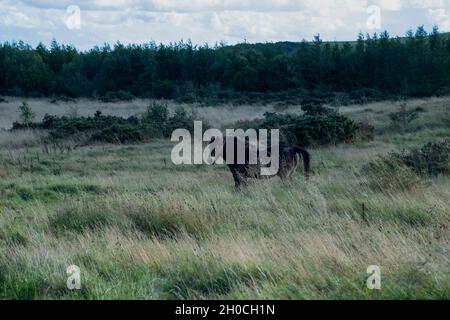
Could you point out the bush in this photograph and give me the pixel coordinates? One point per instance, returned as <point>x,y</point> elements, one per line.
<point>388,173</point>
<point>64,127</point>
<point>155,123</point>
<point>432,159</point>
<point>180,119</point>
<point>315,107</point>
<point>155,118</point>
<point>364,132</point>
<point>119,133</point>
<point>318,126</point>
<point>404,117</point>
<point>26,114</point>
<point>402,171</point>
<point>158,123</point>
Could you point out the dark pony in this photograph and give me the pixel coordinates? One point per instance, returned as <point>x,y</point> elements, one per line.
<point>288,163</point>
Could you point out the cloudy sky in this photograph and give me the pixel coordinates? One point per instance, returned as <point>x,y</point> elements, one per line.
<point>211,21</point>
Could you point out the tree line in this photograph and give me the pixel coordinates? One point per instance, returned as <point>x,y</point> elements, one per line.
<point>378,65</point>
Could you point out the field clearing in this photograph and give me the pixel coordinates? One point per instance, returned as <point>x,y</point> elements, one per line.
<point>141,228</point>
<point>217,116</point>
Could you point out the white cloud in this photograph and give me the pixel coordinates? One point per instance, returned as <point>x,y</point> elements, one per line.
<point>440,17</point>
<point>429,4</point>
<point>213,20</point>
<point>119,4</point>
<point>391,5</point>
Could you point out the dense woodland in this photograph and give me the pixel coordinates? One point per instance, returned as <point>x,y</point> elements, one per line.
<point>375,66</point>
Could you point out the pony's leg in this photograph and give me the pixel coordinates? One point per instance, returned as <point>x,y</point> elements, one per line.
<point>294,165</point>
<point>238,179</point>
<point>288,166</point>
<point>284,169</point>
<point>283,173</point>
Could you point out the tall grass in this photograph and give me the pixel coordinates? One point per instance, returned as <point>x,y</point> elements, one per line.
<point>140,228</point>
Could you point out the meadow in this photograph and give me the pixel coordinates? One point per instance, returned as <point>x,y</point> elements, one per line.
<point>139,227</point>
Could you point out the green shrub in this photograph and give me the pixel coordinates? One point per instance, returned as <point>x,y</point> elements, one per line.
<point>26,114</point>
<point>155,118</point>
<point>388,173</point>
<point>155,123</point>
<point>432,159</point>
<point>318,126</point>
<point>364,132</point>
<point>402,171</point>
<point>404,117</point>
<point>180,119</point>
<point>314,108</point>
<point>65,127</point>
<point>119,133</point>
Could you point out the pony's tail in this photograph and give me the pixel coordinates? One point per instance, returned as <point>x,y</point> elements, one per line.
<point>306,159</point>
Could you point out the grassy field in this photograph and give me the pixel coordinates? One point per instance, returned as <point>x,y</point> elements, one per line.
<point>141,228</point>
